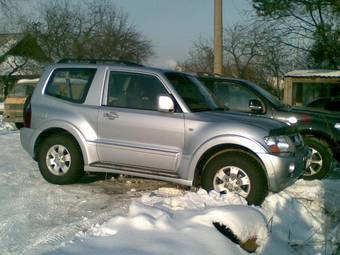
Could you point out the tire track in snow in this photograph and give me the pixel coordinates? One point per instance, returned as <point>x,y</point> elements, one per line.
<point>36,216</point>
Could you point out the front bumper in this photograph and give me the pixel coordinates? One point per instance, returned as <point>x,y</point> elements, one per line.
<point>285,170</point>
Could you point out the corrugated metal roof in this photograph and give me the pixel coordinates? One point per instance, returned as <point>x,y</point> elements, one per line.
<point>314,74</point>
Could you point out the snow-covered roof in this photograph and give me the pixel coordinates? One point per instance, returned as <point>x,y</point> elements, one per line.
<point>8,41</point>
<point>11,63</point>
<point>314,74</point>
<point>28,81</point>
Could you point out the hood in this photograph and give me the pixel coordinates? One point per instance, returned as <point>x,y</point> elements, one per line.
<point>244,118</point>
<point>313,111</point>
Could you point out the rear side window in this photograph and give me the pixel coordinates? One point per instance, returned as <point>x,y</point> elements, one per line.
<point>71,84</point>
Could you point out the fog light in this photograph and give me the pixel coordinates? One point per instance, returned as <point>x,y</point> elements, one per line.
<point>291,168</point>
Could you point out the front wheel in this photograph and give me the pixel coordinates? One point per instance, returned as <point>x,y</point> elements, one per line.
<point>236,172</point>
<point>321,159</point>
<point>60,160</point>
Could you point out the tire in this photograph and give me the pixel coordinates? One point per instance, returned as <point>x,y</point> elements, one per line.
<point>321,158</point>
<point>247,170</point>
<point>60,160</point>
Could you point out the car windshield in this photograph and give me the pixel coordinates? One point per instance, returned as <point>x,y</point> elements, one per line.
<point>274,100</point>
<point>194,94</point>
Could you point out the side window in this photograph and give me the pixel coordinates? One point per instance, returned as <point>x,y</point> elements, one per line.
<point>71,84</point>
<point>234,96</point>
<point>136,91</point>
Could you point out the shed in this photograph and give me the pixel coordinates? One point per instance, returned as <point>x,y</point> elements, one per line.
<point>20,57</point>
<point>303,86</point>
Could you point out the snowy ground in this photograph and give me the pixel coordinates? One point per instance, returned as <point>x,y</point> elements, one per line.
<point>136,216</point>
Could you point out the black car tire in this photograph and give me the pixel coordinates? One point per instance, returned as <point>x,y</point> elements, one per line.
<point>75,168</point>
<point>321,152</point>
<point>258,188</point>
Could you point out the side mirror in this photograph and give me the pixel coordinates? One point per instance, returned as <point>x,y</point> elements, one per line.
<point>165,104</point>
<point>255,106</point>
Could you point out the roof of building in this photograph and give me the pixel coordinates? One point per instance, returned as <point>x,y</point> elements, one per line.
<point>20,55</point>
<point>312,73</point>
<point>8,41</point>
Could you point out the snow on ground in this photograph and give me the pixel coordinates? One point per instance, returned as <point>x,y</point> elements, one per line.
<point>36,216</point>
<point>6,125</point>
<point>306,216</point>
<point>136,216</point>
<point>174,224</point>
<point>304,219</point>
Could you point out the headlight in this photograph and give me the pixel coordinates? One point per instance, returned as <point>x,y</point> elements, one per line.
<point>337,126</point>
<point>292,120</point>
<point>279,144</point>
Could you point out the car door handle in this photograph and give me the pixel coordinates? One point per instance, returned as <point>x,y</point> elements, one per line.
<point>111,115</point>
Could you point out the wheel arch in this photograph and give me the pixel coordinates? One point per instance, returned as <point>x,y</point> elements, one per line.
<point>207,153</point>
<point>320,135</point>
<point>61,131</point>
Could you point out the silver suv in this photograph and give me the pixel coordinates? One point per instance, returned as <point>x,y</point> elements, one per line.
<point>153,123</point>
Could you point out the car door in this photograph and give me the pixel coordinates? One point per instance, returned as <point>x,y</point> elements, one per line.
<point>132,131</point>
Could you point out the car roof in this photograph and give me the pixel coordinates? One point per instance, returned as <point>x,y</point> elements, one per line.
<point>120,66</point>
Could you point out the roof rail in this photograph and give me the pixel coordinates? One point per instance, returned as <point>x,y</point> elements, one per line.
<point>98,61</point>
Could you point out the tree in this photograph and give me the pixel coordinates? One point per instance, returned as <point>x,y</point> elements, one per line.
<point>252,51</point>
<point>242,44</point>
<point>92,29</point>
<point>312,26</point>
<point>201,57</point>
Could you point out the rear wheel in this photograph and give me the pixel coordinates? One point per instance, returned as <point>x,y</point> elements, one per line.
<point>60,160</point>
<point>321,158</point>
<point>236,172</point>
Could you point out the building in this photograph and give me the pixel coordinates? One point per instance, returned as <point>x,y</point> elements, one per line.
<point>303,86</point>
<point>20,57</point>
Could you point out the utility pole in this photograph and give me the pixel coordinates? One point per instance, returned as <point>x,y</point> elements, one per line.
<point>218,38</point>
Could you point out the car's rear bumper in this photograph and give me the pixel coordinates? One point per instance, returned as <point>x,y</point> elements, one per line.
<point>26,135</point>
<point>284,170</point>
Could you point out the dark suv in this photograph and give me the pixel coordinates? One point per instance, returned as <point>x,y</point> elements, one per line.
<point>320,129</point>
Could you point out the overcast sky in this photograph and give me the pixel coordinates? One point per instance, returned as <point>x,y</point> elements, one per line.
<point>173,25</point>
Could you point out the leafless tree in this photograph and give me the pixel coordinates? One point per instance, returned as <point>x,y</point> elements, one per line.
<point>252,51</point>
<point>88,30</point>
<point>242,45</point>
<point>201,57</point>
